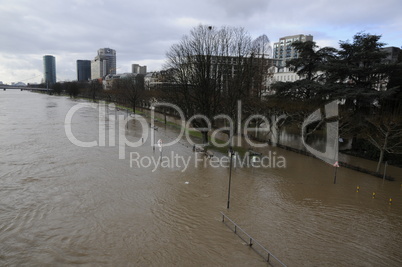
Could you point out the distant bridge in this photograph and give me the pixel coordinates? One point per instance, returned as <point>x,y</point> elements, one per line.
<point>23,88</point>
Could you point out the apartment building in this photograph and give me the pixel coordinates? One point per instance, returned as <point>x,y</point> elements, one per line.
<point>284,51</point>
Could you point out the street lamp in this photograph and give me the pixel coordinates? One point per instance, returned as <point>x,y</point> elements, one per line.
<point>151,125</point>
<point>231,154</point>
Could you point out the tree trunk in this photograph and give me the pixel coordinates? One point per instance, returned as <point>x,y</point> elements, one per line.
<point>204,137</point>
<point>274,131</point>
<point>382,150</point>
<point>380,160</point>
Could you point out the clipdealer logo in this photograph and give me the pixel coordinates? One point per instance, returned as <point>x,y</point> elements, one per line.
<point>330,155</point>
<point>176,161</point>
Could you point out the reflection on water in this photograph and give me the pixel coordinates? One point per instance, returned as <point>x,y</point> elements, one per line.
<point>289,137</point>
<point>66,205</point>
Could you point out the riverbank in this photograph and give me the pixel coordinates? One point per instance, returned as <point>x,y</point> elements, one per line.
<point>172,121</point>
<point>165,119</point>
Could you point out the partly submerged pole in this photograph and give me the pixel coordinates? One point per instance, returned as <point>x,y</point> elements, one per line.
<point>230,174</point>
<point>336,166</point>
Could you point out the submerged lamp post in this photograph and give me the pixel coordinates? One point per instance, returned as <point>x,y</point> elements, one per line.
<point>231,154</point>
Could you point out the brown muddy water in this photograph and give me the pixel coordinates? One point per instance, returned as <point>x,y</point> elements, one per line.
<point>63,205</point>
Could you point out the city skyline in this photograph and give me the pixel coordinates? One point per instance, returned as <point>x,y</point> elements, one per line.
<point>143,33</point>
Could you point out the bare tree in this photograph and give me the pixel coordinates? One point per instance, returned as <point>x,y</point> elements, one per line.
<point>72,88</point>
<point>94,88</point>
<point>130,89</point>
<point>262,50</point>
<point>210,70</point>
<point>385,133</point>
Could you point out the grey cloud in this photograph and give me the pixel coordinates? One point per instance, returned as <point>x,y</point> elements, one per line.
<point>144,30</point>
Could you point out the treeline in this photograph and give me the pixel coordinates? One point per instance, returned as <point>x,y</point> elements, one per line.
<point>128,91</point>
<point>211,69</point>
<point>367,85</point>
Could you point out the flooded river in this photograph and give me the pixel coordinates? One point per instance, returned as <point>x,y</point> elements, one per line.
<point>63,205</point>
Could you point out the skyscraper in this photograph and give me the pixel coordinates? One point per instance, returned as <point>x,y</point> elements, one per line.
<point>83,70</point>
<point>104,63</point>
<point>136,68</point>
<point>49,70</point>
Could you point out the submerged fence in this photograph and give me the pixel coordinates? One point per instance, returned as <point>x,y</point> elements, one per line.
<point>257,247</point>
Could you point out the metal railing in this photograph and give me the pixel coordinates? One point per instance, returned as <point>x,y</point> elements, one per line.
<point>257,247</point>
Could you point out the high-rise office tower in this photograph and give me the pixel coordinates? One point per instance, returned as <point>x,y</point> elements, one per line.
<point>83,70</point>
<point>49,70</point>
<point>104,63</point>
<point>136,68</point>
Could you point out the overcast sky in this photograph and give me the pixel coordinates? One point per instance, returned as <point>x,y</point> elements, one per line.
<point>143,31</point>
